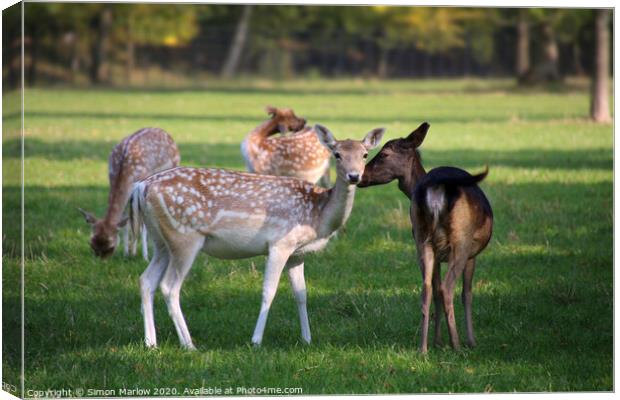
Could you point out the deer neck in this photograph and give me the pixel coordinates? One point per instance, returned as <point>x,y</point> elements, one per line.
<point>337,208</point>
<point>264,130</point>
<point>412,174</point>
<point>117,199</point>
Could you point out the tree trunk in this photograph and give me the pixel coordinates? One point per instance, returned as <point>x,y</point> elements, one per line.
<point>129,55</point>
<point>547,69</point>
<point>234,55</point>
<point>599,105</point>
<point>31,72</point>
<point>551,54</point>
<point>99,69</point>
<point>579,71</point>
<point>382,69</point>
<point>74,56</point>
<point>523,44</point>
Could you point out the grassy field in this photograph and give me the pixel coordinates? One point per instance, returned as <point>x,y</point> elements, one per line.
<point>543,293</point>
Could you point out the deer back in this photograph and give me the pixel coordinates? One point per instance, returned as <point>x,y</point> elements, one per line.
<point>233,206</point>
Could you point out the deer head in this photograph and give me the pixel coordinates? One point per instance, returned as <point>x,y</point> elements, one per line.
<point>350,155</point>
<point>104,237</point>
<point>286,119</point>
<point>394,160</point>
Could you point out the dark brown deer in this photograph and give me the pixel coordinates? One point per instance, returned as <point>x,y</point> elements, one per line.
<point>452,222</point>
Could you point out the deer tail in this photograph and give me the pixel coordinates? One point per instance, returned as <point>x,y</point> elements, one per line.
<point>136,208</point>
<point>434,194</point>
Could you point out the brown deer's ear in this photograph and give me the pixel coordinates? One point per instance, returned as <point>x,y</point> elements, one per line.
<point>271,110</point>
<point>417,137</point>
<point>90,218</point>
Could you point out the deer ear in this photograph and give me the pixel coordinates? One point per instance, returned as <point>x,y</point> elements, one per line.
<point>417,137</point>
<point>90,218</point>
<point>373,138</point>
<point>271,110</point>
<point>123,222</point>
<point>325,136</point>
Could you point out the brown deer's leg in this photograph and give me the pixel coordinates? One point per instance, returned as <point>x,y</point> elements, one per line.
<point>456,264</point>
<point>438,301</point>
<point>427,262</point>
<point>468,276</point>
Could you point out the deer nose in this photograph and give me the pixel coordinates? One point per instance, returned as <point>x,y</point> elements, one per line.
<point>353,178</point>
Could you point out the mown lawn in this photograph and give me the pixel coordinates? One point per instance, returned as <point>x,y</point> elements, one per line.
<point>543,292</point>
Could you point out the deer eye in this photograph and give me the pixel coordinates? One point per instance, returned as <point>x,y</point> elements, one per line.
<point>365,156</point>
<point>337,155</point>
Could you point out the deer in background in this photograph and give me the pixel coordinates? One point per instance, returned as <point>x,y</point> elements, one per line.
<point>299,154</point>
<point>452,222</point>
<point>137,156</point>
<point>233,215</point>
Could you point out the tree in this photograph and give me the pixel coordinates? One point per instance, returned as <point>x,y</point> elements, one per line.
<point>599,108</point>
<point>435,30</point>
<point>102,24</point>
<point>11,46</point>
<point>154,24</point>
<point>552,28</point>
<point>523,43</point>
<point>274,41</point>
<point>236,48</point>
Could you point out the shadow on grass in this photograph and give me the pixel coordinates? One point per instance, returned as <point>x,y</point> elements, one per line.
<point>410,119</point>
<point>324,87</point>
<point>222,155</point>
<point>229,155</point>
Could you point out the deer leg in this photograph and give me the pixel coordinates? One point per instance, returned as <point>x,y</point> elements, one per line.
<point>182,257</point>
<point>427,261</point>
<point>456,264</point>
<point>298,284</point>
<point>134,244</point>
<point>438,301</point>
<point>466,297</point>
<point>149,280</point>
<point>275,264</point>
<point>145,244</point>
<point>125,240</point>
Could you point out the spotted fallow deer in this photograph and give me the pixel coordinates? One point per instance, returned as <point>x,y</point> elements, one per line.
<point>137,156</point>
<point>298,154</point>
<point>452,222</point>
<point>233,215</point>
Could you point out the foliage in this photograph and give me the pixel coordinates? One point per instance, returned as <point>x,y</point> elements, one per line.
<point>158,24</point>
<point>286,38</point>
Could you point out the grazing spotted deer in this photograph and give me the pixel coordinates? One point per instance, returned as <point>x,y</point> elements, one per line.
<point>299,154</point>
<point>233,215</point>
<point>452,222</point>
<point>137,156</point>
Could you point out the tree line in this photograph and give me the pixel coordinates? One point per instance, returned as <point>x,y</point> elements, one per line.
<point>107,43</point>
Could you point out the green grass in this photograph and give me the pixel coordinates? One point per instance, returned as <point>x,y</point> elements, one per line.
<point>543,291</point>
